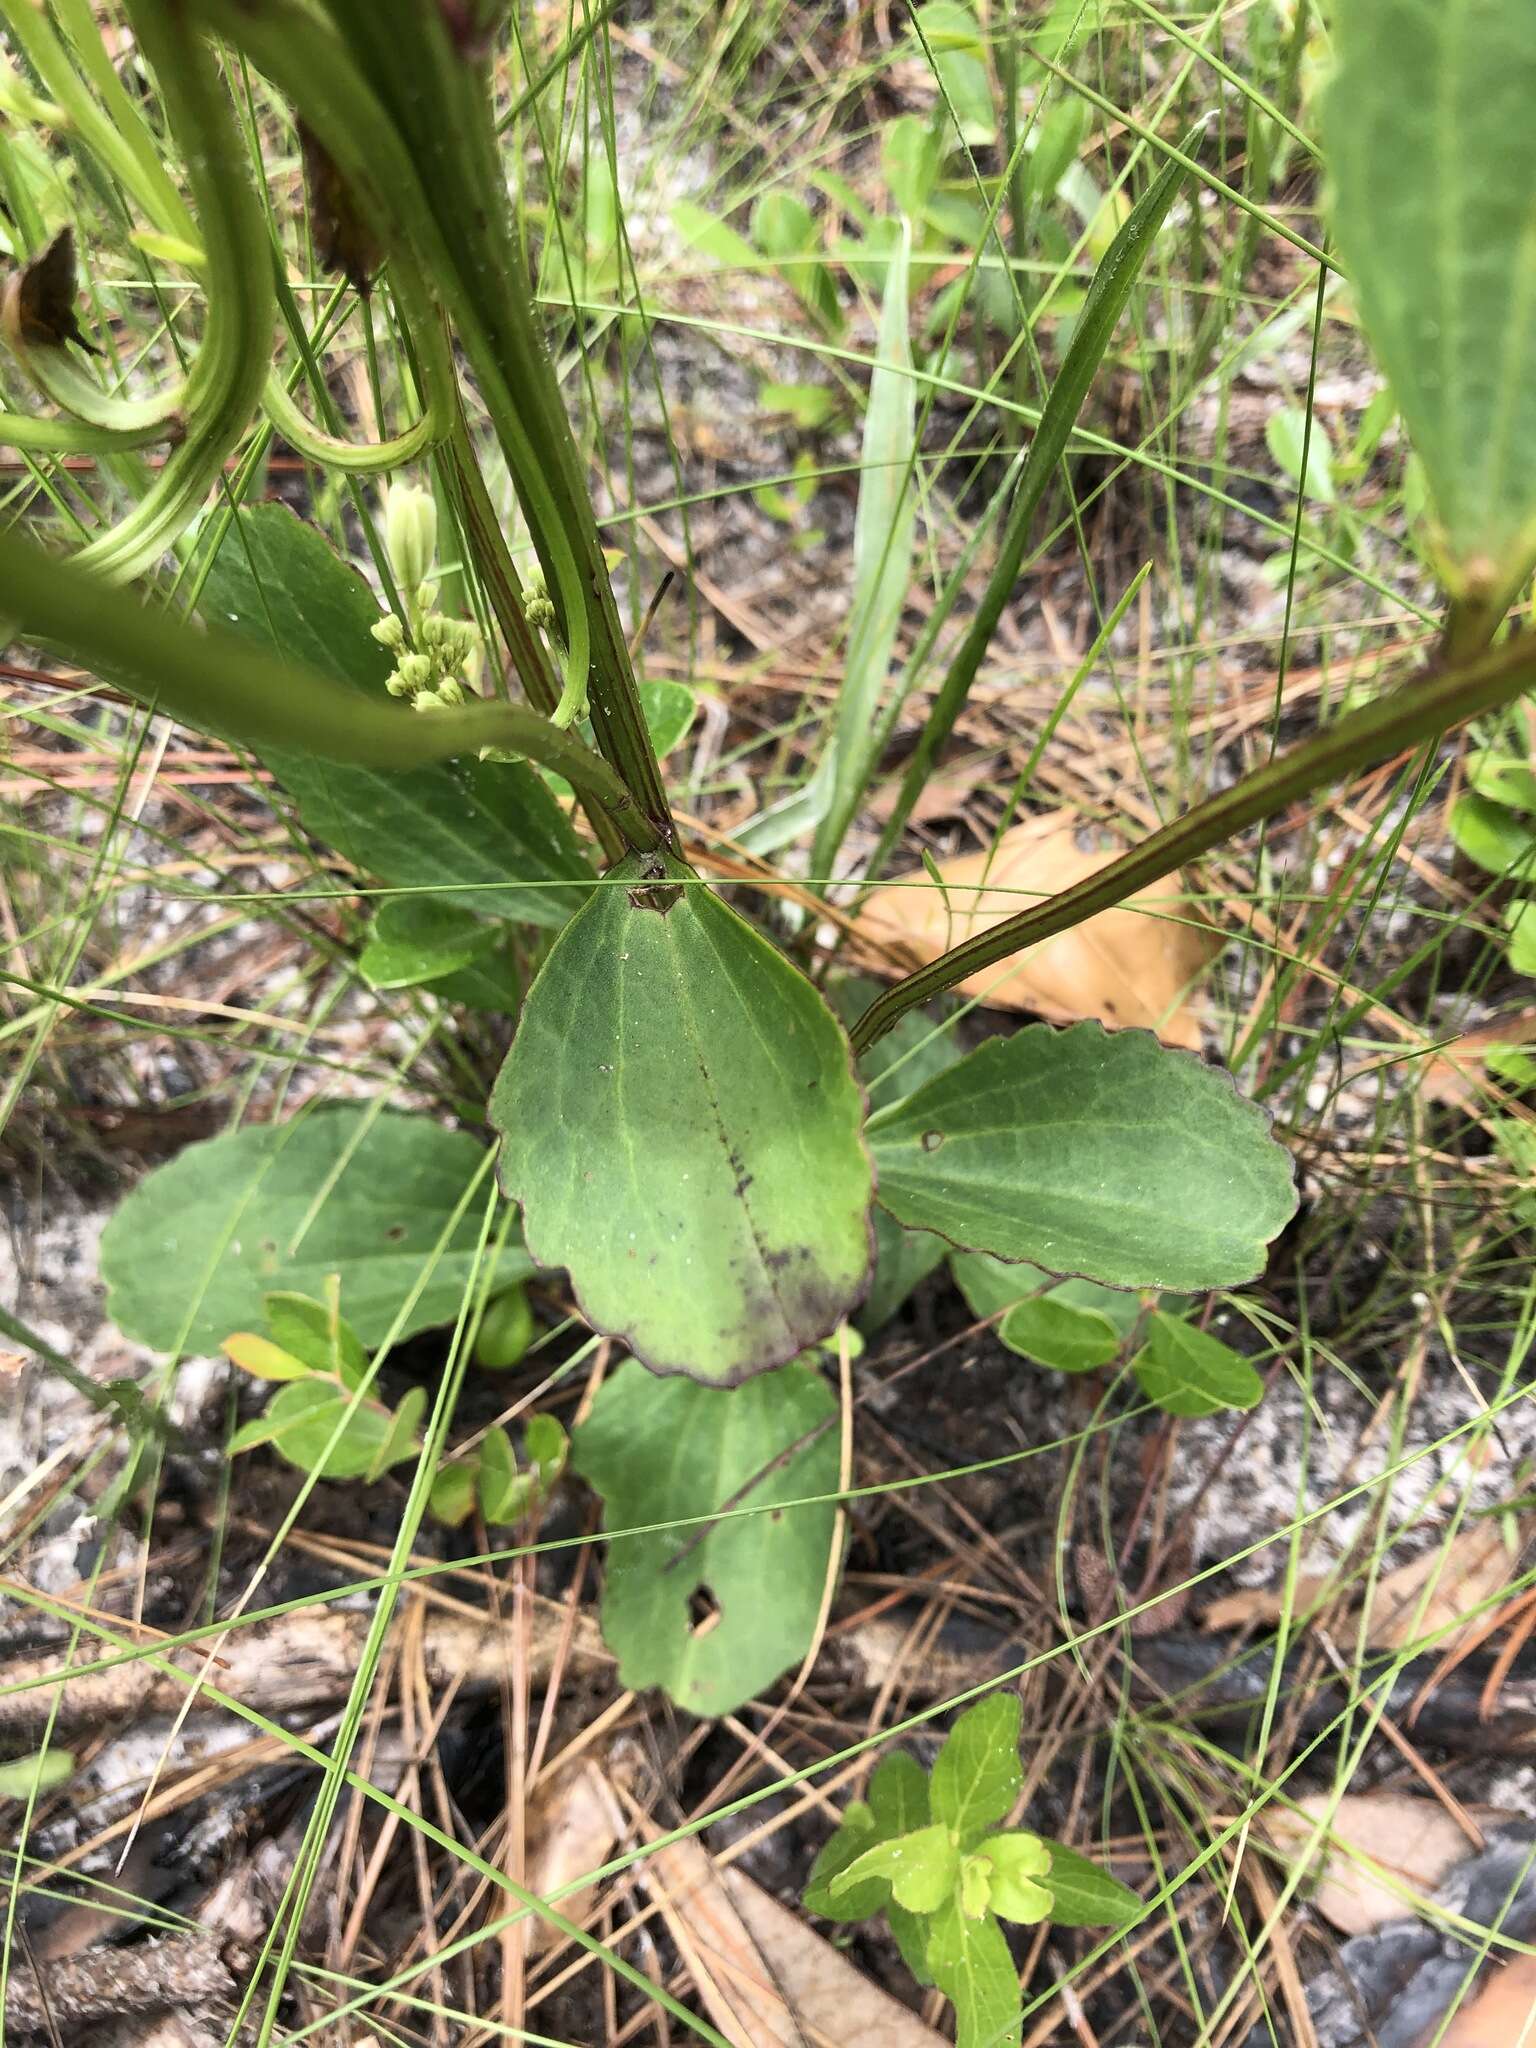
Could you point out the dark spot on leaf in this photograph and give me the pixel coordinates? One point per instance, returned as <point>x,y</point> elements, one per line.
<point>932,1140</point>
<point>703,1610</point>
<point>395,1232</point>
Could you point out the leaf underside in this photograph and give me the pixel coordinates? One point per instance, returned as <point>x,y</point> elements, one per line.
<point>681,1124</point>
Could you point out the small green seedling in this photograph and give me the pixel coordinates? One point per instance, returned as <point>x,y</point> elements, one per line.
<point>322,1418</point>
<point>489,1475</point>
<point>927,1851</point>
<point>506,1331</point>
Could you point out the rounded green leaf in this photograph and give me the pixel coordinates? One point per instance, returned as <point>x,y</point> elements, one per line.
<point>1520,919</point>
<point>1491,834</point>
<point>680,1122</point>
<point>303,1418</point>
<point>1187,1372</point>
<point>1053,1333</point>
<point>1088,1152</point>
<point>1432,151</point>
<point>191,1253</point>
<point>662,1451</point>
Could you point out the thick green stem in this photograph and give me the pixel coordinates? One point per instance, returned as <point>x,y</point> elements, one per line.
<point>1418,711</point>
<point>219,684</point>
<point>440,104</point>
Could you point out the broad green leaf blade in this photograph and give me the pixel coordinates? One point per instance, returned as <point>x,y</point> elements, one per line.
<point>898,1794</point>
<point>660,1451</point>
<point>486,835</point>
<point>1073,1326</point>
<point>1502,778</point>
<point>402,1439</point>
<point>971,1965</point>
<point>976,1776</point>
<point>303,1418</point>
<point>856,1833</point>
<point>1520,921</point>
<point>190,1254</point>
<point>883,530</point>
<point>1083,1895</point>
<point>29,1777</point>
<point>680,1122</point>
<point>1088,1152</point>
<point>1432,154</point>
<point>504,1491</point>
<point>1052,1333</point>
<point>1188,1372</point>
<point>263,1359</point>
<point>311,1331</point>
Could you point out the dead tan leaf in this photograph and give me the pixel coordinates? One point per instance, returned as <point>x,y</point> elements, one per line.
<point>1502,2015</point>
<point>1261,1606</point>
<point>1129,966</point>
<point>835,2001</point>
<point>1456,1073</point>
<point>766,1979</point>
<point>1447,1583</point>
<point>573,1822</point>
<point>1382,1852</point>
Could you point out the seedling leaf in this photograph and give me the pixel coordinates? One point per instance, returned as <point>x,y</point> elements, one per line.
<point>976,1776</point>
<point>971,1965</point>
<point>1188,1372</point>
<point>1083,1895</point>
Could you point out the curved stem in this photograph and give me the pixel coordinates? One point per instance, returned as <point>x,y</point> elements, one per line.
<point>73,437</point>
<point>220,684</point>
<point>435,366</point>
<point>1418,711</point>
<point>226,379</point>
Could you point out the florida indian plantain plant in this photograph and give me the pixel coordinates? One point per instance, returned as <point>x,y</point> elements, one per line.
<point>681,1120</point>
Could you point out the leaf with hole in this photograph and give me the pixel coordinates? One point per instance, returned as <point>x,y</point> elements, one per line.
<point>712,1612</point>
<point>1431,151</point>
<point>192,1252</point>
<point>1188,1372</point>
<point>1088,1153</point>
<point>486,835</point>
<point>680,1122</point>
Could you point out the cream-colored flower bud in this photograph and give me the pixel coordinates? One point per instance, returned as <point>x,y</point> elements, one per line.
<point>410,534</point>
<point>389,632</point>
